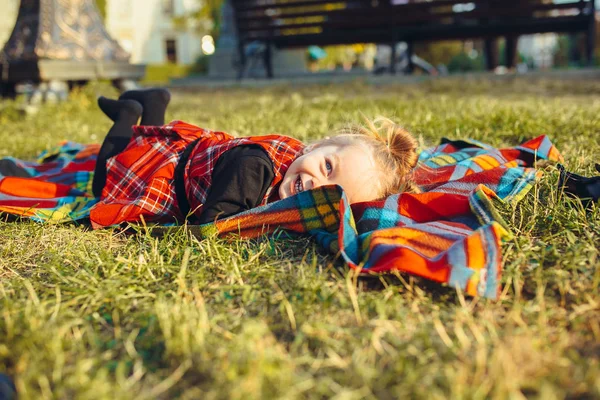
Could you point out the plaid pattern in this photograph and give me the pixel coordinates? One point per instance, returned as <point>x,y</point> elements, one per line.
<point>449,234</point>
<point>139,182</point>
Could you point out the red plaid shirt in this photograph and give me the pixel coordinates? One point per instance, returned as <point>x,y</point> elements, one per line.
<point>140,180</point>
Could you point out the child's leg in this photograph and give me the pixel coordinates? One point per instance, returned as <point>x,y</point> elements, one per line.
<point>125,114</point>
<point>154,101</point>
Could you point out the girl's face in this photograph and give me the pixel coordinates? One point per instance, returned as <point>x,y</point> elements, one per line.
<point>350,166</point>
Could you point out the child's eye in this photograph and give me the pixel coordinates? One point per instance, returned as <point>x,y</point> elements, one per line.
<point>328,167</point>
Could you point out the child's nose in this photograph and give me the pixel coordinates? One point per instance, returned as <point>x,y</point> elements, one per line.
<point>315,183</point>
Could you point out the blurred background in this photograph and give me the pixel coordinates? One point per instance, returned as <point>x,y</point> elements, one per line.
<point>177,38</point>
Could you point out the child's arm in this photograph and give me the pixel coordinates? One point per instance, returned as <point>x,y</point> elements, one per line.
<point>239,182</point>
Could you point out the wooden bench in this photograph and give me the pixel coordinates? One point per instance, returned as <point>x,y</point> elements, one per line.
<point>300,23</point>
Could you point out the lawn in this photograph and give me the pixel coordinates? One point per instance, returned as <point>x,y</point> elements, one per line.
<point>100,315</point>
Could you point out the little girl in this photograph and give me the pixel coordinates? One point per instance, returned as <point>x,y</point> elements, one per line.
<point>167,173</point>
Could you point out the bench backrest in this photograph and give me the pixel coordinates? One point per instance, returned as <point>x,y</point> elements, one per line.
<point>302,22</point>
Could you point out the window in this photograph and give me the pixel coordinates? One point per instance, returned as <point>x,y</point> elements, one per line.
<point>169,7</point>
<point>171,50</point>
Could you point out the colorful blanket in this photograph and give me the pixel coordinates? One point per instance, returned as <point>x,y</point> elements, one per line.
<point>60,187</point>
<point>450,233</point>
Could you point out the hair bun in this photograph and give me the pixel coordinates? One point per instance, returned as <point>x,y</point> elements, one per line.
<point>401,143</point>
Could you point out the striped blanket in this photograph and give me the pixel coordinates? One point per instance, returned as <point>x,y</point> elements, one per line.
<point>60,187</point>
<point>450,233</point>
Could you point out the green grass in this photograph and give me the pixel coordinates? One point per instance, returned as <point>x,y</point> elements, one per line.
<point>96,314</point>
<point>161,74</point>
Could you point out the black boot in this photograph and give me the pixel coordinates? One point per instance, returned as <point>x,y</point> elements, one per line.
<point>584,188</point>
<point>124,109</point>
<point>154,102</point>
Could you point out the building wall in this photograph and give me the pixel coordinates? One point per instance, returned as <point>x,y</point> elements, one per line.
<point>143,28</point>
<point>8,13</point>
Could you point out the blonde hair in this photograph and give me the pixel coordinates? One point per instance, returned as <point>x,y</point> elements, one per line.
<point>393,148</point>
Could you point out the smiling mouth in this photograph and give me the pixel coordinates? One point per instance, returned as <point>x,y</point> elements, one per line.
<point>298,186</point>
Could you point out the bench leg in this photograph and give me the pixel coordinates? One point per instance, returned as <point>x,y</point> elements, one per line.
<point>590,42</point>
<point>7,89</point>
<point>242,63</point>
<point>268,60</point>
<point>410,52</point>
<point>393,59</point>
<point>491,53</point>
<point>511,51</point>
<point>574,53</point>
